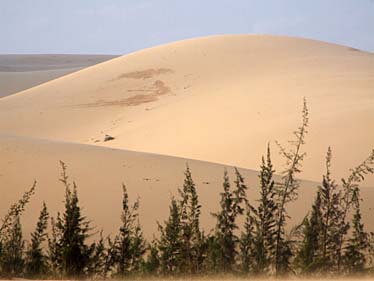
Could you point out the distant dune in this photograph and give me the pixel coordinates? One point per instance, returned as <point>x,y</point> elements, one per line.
<point>20,72</point>
<point>218,99</point>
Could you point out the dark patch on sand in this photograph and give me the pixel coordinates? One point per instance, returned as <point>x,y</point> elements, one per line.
<point>147,95</point>
<point>145,74</point>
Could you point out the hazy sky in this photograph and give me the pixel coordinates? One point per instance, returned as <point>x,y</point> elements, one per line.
<point>122,26</point>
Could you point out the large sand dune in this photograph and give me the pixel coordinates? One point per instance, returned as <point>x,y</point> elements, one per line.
<point>218,99</point>
<point>20,72</point>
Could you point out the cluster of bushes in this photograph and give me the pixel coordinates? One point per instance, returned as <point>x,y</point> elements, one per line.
<point>331,239</point>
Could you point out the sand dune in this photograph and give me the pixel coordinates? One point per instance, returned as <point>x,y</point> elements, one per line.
<point>218,99</point>
<point>99,173</point>
<point>20,72</point>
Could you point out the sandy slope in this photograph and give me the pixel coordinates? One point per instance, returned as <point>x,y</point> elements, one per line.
<point>20,72</point>
<point>218,99</point>
<point>99,173</point>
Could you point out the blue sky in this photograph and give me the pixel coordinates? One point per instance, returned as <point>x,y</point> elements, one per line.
<point>123,26</point>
